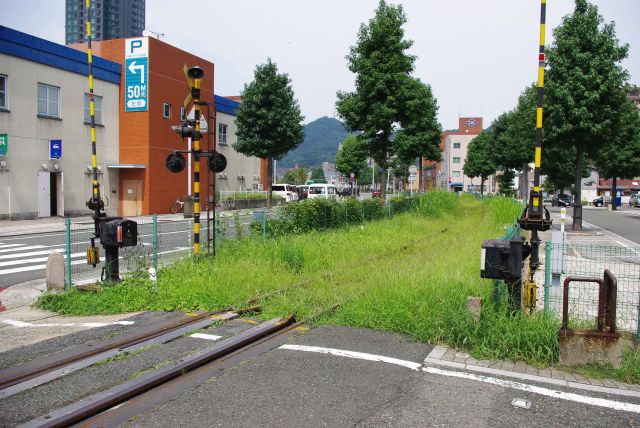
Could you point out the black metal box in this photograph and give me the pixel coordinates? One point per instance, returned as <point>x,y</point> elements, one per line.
<point>119,233</point>
<point>501,259</point>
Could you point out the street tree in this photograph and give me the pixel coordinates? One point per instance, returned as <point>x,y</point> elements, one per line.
<point>382,68</point>
<point>513,136</point>
<point>584,85</point>
<point>268,119</point>
<point>621,156</point>
<point>479,161</point>
<point>352,157</point>
<point>558,165</point>
<point>295,176</point>
<point>420,134</point>
<point>317,173</point>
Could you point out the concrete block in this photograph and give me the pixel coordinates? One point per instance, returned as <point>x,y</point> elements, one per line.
<point>54,273</point>
<point>474,306</point>
<point>581,349</point>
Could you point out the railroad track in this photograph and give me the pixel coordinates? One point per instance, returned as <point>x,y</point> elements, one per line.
<point>118,404</point>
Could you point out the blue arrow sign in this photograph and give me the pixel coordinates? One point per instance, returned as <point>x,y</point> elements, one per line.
<point>136,93</point>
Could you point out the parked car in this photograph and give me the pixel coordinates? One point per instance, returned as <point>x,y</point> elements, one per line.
<point>346,191</point>
<point>634,200</point>
<point>561,200</point>
<point>326,191</point>
<point>287,191</point>
<point>601,200</point>
<point>376,194</point>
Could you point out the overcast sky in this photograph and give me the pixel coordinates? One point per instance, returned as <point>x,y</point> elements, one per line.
<point>476,55</point>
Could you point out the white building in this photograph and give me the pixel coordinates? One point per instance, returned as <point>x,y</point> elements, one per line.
<point>242,172</point>
<point>44,126</point>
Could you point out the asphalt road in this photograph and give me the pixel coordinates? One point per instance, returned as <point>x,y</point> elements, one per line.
<point>624,222</point>
<point>289,387</point>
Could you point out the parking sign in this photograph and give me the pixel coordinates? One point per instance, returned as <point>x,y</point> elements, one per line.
<point>136,74</point>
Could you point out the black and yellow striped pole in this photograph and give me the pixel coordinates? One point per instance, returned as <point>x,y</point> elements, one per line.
<point>195,93</point>
<point>95,203</point>
<point>536,194</point>
<point>535,217</point>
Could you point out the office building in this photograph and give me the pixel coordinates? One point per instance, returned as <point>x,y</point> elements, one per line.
<point>110,19</point>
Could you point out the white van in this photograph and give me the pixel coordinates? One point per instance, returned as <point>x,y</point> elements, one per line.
<point>287,191</point>
<point>326,191</point>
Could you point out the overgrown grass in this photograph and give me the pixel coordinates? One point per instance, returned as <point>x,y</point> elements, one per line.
<point>411,274</point>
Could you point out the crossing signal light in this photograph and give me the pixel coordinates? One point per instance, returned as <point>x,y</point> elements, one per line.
<point>217,163</point>
<point>176,162</point>
<point>195,73</point>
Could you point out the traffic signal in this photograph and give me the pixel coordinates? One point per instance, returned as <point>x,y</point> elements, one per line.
<point>176,162</point>
<point>217,163</point>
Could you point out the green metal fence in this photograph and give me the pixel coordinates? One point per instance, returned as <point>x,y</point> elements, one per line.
<point>564,260</point>
<point>161,240</point>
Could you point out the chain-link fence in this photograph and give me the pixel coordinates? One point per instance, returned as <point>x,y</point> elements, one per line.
<point>161,240</point>
<point>589,260</point>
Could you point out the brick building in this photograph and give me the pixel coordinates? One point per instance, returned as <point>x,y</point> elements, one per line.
<point>146,137</point>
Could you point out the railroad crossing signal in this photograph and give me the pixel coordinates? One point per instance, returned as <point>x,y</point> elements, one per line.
<point>190,128</point>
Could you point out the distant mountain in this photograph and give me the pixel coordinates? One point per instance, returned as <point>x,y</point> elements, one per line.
<point>321,140</point>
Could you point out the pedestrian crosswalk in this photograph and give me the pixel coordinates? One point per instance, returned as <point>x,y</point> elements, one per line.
<point>16,258</point>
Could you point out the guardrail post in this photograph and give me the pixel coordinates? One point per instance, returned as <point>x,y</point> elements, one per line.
<point>67,224</point>
<point>547,275</point>
<point>155,242</point>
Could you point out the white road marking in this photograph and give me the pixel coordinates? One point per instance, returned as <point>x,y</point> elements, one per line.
<point>14,247</point>
<point>23,324</point>
<point>562,395</point>
<point>206,336</point>
<point>38,267</point>
<point>35,260</point>
<point>357,355</point>
<point>32,253</point>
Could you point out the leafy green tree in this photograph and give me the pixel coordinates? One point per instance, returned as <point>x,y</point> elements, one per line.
<point>513,136</point>
<point>420,134</point>
<point>479,161</point>
<point>268,119</point>
<point>621,156</point>
<point>558,165</point>
<point>382,68</point>
<point>352,157</point>
<point>505,181</point>
<point>584,88</point>
<point>317,173</point>
<point>295,176</point>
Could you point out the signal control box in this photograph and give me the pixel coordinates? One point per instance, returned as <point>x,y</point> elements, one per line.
<point>119,233</point>
<point>502,259</point>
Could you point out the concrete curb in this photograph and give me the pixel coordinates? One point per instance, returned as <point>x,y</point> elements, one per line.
<point>440,356</point>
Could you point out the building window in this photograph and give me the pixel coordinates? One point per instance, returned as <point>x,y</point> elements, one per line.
<point>222,133</point>
<point>48,100</point>
<point>97,109</point>
<point>183,115</point>
<point>456,145</point>
<point>166,110</point>
<point>455,174</point>
<point>456,160</point>
<point>3,92</point>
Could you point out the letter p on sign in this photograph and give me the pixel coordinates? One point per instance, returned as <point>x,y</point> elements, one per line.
<point>135,44</point>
